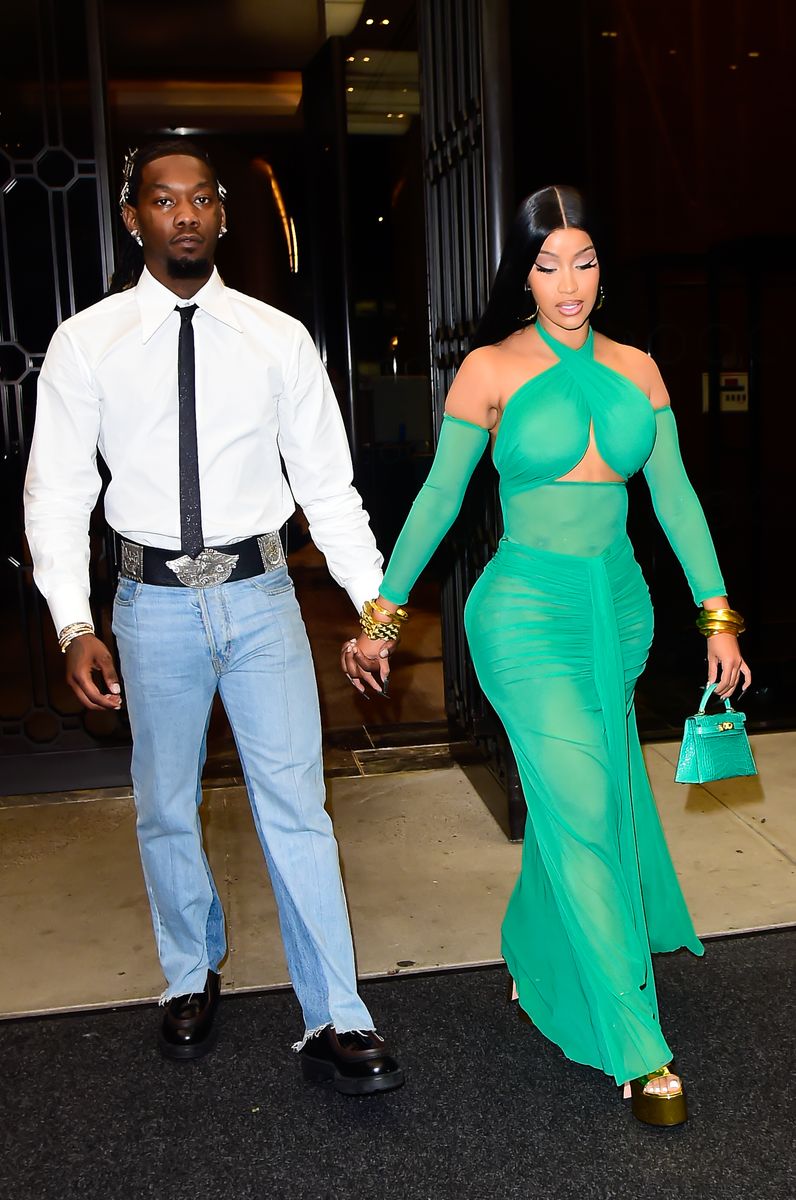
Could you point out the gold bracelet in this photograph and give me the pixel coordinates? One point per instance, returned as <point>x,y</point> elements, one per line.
<point>400,614</point>
<point>720,620</point>
<point>378,630</point>
<point>70,632</point>
<point>723,616</point>
<point>708,630</point>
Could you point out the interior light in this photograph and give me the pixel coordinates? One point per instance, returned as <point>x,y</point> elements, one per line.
<point>754,53</point>
<point>294,239</point>
<point>351,58</point>
<point>366,58</point>
<point>733,66</point>
<point>264,168</point>
<point>349,89</point>
<point>400,115</point>
<point>380,220</point>
<point>385,21</point>
<point>369,21</point>
<point>389,115</point>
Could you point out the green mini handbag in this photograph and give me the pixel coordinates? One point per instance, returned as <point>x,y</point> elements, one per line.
<point>715,745</point>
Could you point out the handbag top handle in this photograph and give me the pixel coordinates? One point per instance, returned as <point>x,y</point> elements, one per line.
<point>708,692</point>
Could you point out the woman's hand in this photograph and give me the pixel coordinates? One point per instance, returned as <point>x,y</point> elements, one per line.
<point>363,658</point>
<point>726,663</point>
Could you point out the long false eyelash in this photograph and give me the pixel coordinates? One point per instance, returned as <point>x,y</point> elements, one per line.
<point>549,270</point>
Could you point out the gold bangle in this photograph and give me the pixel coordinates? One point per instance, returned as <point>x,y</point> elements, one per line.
<point>75,625</point>
<point>70,632</point>
<point>720,620</point>
<point>400,614</point>
<point>723,614</point>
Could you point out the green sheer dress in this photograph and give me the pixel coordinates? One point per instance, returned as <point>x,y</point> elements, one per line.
<point>559,626</point>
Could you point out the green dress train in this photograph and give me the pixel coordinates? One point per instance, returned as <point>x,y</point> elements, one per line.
<point>559,626</point>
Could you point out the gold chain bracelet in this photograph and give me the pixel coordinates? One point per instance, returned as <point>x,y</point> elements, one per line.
<point>378,630</point>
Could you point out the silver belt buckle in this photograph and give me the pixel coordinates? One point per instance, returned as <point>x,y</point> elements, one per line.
<point>209,568</point>
<point>132,564</point>
<point>271,552</point>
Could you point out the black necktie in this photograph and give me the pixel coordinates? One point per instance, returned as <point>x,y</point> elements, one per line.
<point>190,502</point>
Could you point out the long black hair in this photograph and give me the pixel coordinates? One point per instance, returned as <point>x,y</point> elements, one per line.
<point>510,304</point>
<point>130,262</point>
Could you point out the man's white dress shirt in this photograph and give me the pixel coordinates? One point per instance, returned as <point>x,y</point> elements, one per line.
<point>109,380</point>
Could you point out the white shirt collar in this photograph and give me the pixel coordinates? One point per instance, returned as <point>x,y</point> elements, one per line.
<point>155,302</point>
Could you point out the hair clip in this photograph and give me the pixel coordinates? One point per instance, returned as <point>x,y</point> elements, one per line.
<point>127,174</point>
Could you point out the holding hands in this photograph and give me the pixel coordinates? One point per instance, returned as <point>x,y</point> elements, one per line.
<point>366,659</point>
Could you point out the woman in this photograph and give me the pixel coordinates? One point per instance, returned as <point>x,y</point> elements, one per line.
<point>559,626</point>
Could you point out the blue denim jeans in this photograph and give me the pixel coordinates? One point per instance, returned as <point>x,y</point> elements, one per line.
<point>247,640</point>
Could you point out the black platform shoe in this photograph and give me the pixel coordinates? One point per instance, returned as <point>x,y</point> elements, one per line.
<point>354,1063</point>
<point>188,1029</point>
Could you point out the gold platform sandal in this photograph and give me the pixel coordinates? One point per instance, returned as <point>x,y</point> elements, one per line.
<point>656,1108</point>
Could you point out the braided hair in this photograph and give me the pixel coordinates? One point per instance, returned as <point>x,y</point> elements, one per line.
<point>130,261</point>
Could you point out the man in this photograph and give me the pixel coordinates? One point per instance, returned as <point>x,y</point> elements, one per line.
<point>192,391</point>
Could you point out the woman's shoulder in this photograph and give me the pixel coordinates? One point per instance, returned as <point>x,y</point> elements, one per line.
<point>636,365</point>
<point>475,391</point>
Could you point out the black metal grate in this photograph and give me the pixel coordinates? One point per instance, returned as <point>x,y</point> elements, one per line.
<point>467,193</point>
<point>55,259</point>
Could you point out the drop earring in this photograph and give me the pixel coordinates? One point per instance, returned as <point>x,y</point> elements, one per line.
<point>600,299</point>
<point>222,232</point>
<point>534,315</point>
<point>136,236</point>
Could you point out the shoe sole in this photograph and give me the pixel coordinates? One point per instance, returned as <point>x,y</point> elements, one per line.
<point>316,1071</point>
<point>190,1051</point>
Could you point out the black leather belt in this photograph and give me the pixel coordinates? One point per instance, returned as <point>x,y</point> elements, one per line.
<point>215,564</point>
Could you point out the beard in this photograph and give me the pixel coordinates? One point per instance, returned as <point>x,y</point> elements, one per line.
<point>189,268</point>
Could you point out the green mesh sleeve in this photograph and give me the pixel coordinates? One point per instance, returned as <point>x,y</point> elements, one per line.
<point>459,449</point>
<point>679,511</point>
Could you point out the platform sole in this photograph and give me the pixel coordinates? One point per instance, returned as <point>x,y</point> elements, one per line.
<point>663,1111</point>
<point>187,1052</point>
<point>316,1070</point>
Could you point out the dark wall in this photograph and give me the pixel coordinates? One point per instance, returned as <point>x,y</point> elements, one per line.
<point>675,119</point>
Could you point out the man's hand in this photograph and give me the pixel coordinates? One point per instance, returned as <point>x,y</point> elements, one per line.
<point>87,656</point>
